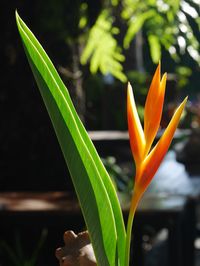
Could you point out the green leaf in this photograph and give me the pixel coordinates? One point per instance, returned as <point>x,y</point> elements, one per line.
<point>114,2</point>
<point>95,191</point>
<point>102,48</point>
<point>135,25</point>
<point>155,48</point>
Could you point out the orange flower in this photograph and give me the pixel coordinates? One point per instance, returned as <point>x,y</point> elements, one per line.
<point>147,161</point>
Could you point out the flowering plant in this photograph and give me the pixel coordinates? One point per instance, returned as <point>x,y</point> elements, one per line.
<point>97,196</point>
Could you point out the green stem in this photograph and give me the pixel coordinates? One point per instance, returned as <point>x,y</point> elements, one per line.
<point>134,203</point>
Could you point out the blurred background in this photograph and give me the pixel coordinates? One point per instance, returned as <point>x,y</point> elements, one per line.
<point>96,47</point>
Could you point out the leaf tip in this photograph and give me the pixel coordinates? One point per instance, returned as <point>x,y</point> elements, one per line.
<point>17,17</point>
<point>16,14</point>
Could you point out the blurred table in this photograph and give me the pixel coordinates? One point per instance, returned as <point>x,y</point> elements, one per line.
<point>161,211</point>
<point>168,203</point>
<point>174,213</point>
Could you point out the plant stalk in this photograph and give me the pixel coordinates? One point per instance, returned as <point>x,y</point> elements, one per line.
<point>134,203</point>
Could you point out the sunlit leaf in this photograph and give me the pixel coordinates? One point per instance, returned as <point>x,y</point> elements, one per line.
<point>135,25</point>
<point>102,49</point>
<point>95,191</point>
<point>155,48</point>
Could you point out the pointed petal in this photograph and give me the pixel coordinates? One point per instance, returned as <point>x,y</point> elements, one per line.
<point>153,117</point>
<point>153,160</point>
<point>136,134</point>
<point>151,96</point>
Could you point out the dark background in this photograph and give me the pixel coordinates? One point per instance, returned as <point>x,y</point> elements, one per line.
<point>31,158</point>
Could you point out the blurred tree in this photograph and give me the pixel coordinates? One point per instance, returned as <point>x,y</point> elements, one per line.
<point>170,25</point>
<point>125,29</point>
<point>108,33</point>
<point>166,25</point>
<point>64,27</point>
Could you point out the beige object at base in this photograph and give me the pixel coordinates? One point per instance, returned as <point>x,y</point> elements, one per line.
<point>77,251</point>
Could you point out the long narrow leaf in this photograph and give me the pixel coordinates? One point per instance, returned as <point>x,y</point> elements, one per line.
<point>80,155</point>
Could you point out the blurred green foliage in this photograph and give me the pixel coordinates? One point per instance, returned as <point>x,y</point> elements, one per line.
<point>183,73</point>
<point>166,25</point>
<point>119,177</point>
<point>16,255</point>
<point>102,48</point>
<point>104,34</point>
<point>108,38</point>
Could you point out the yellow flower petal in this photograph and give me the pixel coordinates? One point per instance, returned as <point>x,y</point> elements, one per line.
<point>153,160</point>
<point>136,133</point>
